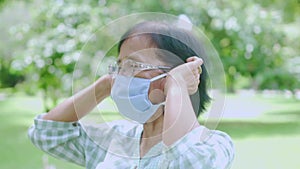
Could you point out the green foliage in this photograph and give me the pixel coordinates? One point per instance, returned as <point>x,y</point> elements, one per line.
<point>249,45</point>
<point>9,77</point>
<point>11,43</point>
<point>58,33</point>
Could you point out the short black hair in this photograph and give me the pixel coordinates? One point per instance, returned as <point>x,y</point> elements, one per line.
<point>179,42</point>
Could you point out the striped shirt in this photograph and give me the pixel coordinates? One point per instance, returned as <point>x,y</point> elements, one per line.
<point>115,145</point>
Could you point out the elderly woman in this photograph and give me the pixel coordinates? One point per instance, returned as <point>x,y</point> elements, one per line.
<point>159,82</point>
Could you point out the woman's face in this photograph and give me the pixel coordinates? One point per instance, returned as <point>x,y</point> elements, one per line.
<point>138,48</point>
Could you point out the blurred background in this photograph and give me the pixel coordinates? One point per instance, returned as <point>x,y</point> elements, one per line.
<point>258,43</point>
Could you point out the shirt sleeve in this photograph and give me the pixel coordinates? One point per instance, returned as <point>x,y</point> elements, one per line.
<point>60,139</point>
<point>200,149</point>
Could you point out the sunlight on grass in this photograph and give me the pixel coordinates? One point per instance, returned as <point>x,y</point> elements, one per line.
<point>267,153</point>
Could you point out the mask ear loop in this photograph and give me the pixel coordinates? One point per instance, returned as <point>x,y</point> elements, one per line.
<point>159,77</point>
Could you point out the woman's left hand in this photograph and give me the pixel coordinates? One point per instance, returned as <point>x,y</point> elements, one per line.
<point>186,75</point>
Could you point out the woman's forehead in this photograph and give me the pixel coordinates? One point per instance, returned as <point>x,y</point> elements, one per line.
<point>138,48</point>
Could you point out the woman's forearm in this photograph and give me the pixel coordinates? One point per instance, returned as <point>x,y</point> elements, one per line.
<point>179,116</point>
<point>77,106</point>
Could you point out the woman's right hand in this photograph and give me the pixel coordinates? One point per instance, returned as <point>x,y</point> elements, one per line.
<point>78,105</point>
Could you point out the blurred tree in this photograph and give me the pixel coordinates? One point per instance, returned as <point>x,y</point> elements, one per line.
<point>9,77</point>
<point>11,43</point>
<point>58,32</point>
<point>250,36</point>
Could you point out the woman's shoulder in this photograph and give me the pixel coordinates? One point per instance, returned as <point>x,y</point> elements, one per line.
<point>221,134</point>
<point>206,147</point>
<point>211,135</point>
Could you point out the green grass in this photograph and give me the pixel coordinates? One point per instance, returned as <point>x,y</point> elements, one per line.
<point>274,152</point>
<point>269,141</point>
<point>17,152</point>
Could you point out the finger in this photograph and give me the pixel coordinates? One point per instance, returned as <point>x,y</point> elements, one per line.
<point>194,58</point>
<point>190,59</point>
<point>198,62</point>
<point>198,76</point>
<point>196,79</point>
<point>195,64</point>
<point>196,71</point>
<point>199,70</point>
<point>194,88</point>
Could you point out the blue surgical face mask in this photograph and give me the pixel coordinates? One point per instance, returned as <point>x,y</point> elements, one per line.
<point>131,97</point>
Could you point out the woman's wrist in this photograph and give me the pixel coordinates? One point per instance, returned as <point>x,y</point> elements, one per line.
<point>103,87</point>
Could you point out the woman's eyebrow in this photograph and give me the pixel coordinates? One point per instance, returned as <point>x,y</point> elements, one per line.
<point>119,61</point>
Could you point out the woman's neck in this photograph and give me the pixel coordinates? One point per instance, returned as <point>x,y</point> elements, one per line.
<point>152,134</point>
<point>153,128</point>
